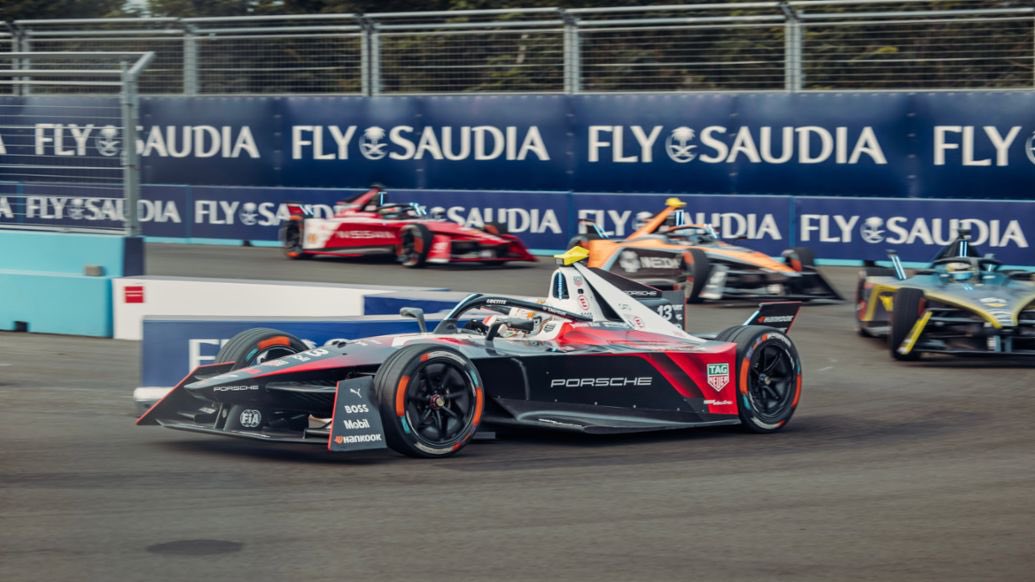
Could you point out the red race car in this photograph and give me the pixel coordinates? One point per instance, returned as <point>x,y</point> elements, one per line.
<point>368,224</point>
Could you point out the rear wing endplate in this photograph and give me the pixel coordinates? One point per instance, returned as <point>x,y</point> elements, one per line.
<point>780,315</point>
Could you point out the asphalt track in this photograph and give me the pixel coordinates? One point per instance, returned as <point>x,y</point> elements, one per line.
<point>888,471</point>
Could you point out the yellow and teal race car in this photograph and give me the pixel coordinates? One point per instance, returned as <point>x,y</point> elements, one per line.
<point>963,303</point>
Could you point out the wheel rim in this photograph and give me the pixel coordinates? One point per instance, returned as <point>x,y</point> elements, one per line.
<point>771,381</point>
<point>440,402</point>
<point>293,239</point>
<point>271,353</point>
<point>409,251</point>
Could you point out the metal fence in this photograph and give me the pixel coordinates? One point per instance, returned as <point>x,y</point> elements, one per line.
<point>795,45</point>
<point>65,159</point>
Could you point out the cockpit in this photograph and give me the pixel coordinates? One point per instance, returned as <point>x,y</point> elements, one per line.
<point>694,234</point>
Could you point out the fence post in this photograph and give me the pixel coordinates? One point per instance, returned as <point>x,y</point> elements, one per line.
<point>375,60</point>
<point>572,54</point>
<point>130,157</point>
<point>25,46</point>
<point>190,60</point>
<point>792,42</point>
<point>370,59</point>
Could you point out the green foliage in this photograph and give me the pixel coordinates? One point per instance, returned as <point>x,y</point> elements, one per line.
<point>36,9</point>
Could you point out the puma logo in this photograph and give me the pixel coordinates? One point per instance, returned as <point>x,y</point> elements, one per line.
<point>356,392</point>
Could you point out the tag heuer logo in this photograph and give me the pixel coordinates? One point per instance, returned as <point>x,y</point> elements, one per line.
<point>718,376</point>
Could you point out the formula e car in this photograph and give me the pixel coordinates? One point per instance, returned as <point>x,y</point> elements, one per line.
<point>367,224</point>
<point>588,358</point>
<point>961,304</point>
<point>667,252</point>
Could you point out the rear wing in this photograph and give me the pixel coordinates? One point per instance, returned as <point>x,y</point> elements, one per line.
<point>299,210</point>
<point>780,315</point>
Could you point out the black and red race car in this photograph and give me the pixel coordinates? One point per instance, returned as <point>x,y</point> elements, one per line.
<point>591,357</point>
<point>370,225</point>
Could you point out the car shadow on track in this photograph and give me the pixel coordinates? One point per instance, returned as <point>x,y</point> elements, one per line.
<point>519,448</point>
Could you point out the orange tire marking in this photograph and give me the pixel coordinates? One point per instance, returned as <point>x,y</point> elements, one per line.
<point>279,340</point>
<point>479,401</point>
<point>744,375</point>
<point>400,396</point>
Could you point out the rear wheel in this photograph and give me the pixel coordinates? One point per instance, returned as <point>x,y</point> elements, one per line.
<point>414,245</point>
<point>860,296</point>
<point>292,236</point>
<point>768,376</point>
<point>907,306</point>
<point>496,228</point>
<point>579,240</point>
<point>698,271</point>
<point>801,259</point>
<point>258,345</point>
<point>430,398</point>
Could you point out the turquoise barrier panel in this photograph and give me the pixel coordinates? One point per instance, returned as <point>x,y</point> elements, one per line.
<point>43,287</point>
<point>68,253</point>
<point>55,303</point>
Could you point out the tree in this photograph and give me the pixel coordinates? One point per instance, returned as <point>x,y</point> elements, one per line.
<point>38,9</point>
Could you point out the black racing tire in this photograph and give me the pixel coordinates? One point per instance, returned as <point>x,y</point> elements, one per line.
<point>768,376</point>
<point>579,240</point>
<point>257,345</point>
<point>697,275</point>
<point>907,306</point>
<point>414,245</point>
<point>496,228</point>
<point>291,235</point>
<point>860,301</point>
<point>801,259</point>
<point>430,399</point>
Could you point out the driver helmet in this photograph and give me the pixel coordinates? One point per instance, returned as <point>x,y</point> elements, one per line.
<point>960,271</point>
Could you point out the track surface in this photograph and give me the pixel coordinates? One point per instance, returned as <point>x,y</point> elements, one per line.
<point>887,472</point>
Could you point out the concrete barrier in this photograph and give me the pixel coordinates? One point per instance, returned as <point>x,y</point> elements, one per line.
<point>61,282</point>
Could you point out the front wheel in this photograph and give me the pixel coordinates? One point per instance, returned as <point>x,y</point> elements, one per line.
<point>907,306</point>
<point>414,245</point>
<point>258,345</point>
<point>430,398</point>
<point>768,376</point>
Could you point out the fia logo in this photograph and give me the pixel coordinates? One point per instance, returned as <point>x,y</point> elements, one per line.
<point>370,145</point>
<point>678,146</point>
<point>251,418</point>
<point>1029,148</point>
<point>107,141</point>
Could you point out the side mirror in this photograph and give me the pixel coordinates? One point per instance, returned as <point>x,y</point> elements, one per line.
<point>416,313</point>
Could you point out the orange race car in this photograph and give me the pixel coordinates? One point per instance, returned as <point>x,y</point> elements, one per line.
<point>668,253</point>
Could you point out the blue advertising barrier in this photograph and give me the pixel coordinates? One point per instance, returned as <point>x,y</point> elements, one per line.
<point>546,221</point>
<point>853,228</point>
<point>937,144</point>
